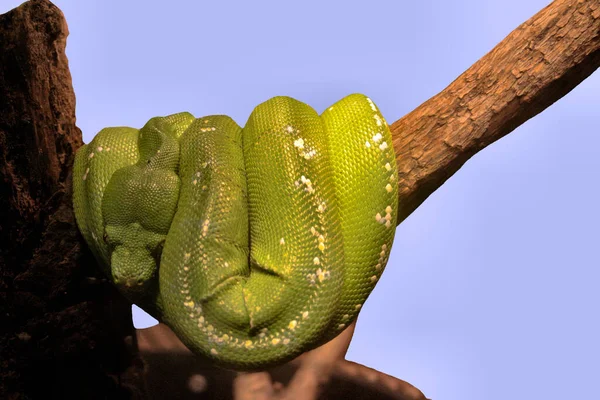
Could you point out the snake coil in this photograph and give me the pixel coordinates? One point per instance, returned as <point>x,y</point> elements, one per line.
<point>253,244</point>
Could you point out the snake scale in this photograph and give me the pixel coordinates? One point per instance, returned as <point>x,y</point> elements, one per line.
<point>252,244</point>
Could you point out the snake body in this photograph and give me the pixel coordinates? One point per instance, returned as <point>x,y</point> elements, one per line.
<point>253,244</point>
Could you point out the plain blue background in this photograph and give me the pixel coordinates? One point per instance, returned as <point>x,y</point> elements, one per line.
<point>492,288</point>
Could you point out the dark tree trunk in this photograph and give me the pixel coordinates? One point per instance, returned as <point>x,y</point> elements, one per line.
<point>62,327</point>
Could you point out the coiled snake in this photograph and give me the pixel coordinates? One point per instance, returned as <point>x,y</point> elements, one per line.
<point>253,244</point>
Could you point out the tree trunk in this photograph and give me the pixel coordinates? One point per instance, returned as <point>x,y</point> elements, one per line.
<point>62,326</point>
<point>65,332</point>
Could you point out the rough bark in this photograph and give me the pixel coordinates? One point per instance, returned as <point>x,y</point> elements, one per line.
<point>61,325</point>
<point>534,66</point>
<point>66,333</point>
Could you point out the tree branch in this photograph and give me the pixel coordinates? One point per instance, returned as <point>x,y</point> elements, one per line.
<point>320,373</point>
<point>534,66</point>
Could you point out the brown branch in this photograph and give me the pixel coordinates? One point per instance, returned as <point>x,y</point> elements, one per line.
<point>393,387</point>
<point>59,315</point>
<point>534,66</point>
<point>253,386</point>
<point>318,373</point>
<point>321,373</point>
<point>316,367</point>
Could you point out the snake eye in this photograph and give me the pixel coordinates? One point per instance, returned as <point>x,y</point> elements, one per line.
<point>105,237</point>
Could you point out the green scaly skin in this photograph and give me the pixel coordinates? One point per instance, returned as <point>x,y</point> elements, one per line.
<point>256,244</point>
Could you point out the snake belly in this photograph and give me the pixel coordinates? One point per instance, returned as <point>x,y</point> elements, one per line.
<point>252,244</point>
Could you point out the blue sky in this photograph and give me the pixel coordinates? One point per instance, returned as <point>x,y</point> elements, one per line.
<point>491,291</point>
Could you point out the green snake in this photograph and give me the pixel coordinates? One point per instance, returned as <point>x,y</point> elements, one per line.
<point>252,244</point>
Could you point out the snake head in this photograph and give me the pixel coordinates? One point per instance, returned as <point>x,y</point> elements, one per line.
<point>132,267</point>
<point>135,256</point>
